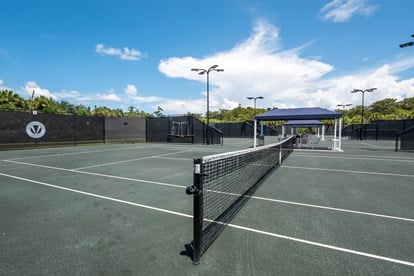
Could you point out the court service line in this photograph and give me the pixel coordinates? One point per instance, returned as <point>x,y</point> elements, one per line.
<point>375,146</point>
<point>327,153</point>
<point>317,206</point>
<point>174,158</point>
<point>347,171</point>
<point>130,160</point>
<point>336,248</point>
<point>96,195</point>
<point>97,174</point>
<point>357,158</point>
<point>74,153</point>
<point>233,194</point>
<point>322,245</point>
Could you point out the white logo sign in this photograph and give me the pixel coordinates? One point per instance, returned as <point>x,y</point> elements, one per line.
<point>35,129</point>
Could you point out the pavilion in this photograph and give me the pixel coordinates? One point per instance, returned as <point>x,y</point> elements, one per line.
<point>303,115</point>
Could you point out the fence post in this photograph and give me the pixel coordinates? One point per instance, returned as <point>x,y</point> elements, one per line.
<point>396,141</point>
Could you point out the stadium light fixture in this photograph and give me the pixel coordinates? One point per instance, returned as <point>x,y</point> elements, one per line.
<point>407,44</point>
<point>202,71</point>
<point>343,109</point>
<point>255,98</point>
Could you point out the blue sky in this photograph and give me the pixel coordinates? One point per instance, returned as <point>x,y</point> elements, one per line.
<point>295,53</point>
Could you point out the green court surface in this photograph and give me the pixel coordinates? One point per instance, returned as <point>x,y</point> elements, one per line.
<point>121,209</point>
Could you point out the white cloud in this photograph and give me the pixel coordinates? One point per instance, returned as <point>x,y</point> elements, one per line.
<point>110,96</point>
<point>2,87</point>
<point>130,90</point>
<point>254,67</point>
<point>337,90</point>
<point>343,10</point>
<point>31,86</point>
<point>258,67</point>
<point>125,53</point>
<point>72,94</point>
<point>151,99</point>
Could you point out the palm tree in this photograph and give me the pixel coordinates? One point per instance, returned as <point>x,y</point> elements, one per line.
<point>12,101</point>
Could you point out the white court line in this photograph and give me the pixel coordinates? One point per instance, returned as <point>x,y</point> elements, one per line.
<point>97,174</point>
<point>341,249</point>
<point>74,153</point>
<point>130,160</point>
<point>375,146</point>
<point>356,158</point>
<point>107,150</point>
<point>322,245</point>
<point>96,195</point>
<point>173,158</point>
<point>354,155</point>
<point>183,187</point>
<point>318,206</point>
<point>347,171</point>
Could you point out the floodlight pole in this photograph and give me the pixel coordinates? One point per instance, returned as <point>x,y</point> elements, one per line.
<point>254,114</point>
<point>255,98</point>
<point>343,110</point>
<point>207,72</point>
<point>362,107</point>
<point>407,44</point>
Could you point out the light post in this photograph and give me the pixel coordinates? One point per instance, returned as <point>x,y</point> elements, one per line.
<point>343,116</point>
<point>407,44</point>
<point>343,110</point>
<point>207,72</point>
<point>362,107</point>
<point>254,112</point>
<point>255,98</point>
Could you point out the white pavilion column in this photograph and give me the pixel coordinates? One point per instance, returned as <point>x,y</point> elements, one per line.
<point>254,133</point>
<point>323,133</point>
<point>340,134</point>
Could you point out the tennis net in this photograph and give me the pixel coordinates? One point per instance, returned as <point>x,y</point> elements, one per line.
<point>223,183</point>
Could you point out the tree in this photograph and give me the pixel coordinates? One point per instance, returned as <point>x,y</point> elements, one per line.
<point>47,105</point>
<point>101,112</point>
<point>159,111</point>
<point>385,106</point>
<point>12,101</point>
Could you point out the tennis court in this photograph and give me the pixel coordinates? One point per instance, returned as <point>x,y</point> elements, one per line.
<point>122,209</point>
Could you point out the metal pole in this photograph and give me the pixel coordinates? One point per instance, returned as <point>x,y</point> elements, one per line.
<point>202,72</point>
<point>362,115</point>
<point>362,107</point>
<point>208,110</point>
<point>254,111</point>
<point>254,114</point>
<point>340,134</point>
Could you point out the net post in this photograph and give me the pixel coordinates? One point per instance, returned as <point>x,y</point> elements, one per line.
<point>280,154</point>
<point>198,210</point>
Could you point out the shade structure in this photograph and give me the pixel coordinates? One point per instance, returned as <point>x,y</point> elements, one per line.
<point>306,113</point>
<point>303,123</point>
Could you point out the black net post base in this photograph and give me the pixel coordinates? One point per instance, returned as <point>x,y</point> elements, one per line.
<point>197,191</point>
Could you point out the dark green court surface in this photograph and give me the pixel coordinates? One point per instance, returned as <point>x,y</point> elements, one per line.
<point>121,209</point>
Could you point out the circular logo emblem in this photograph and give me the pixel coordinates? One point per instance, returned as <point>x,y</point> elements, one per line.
<point>35,129</point>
